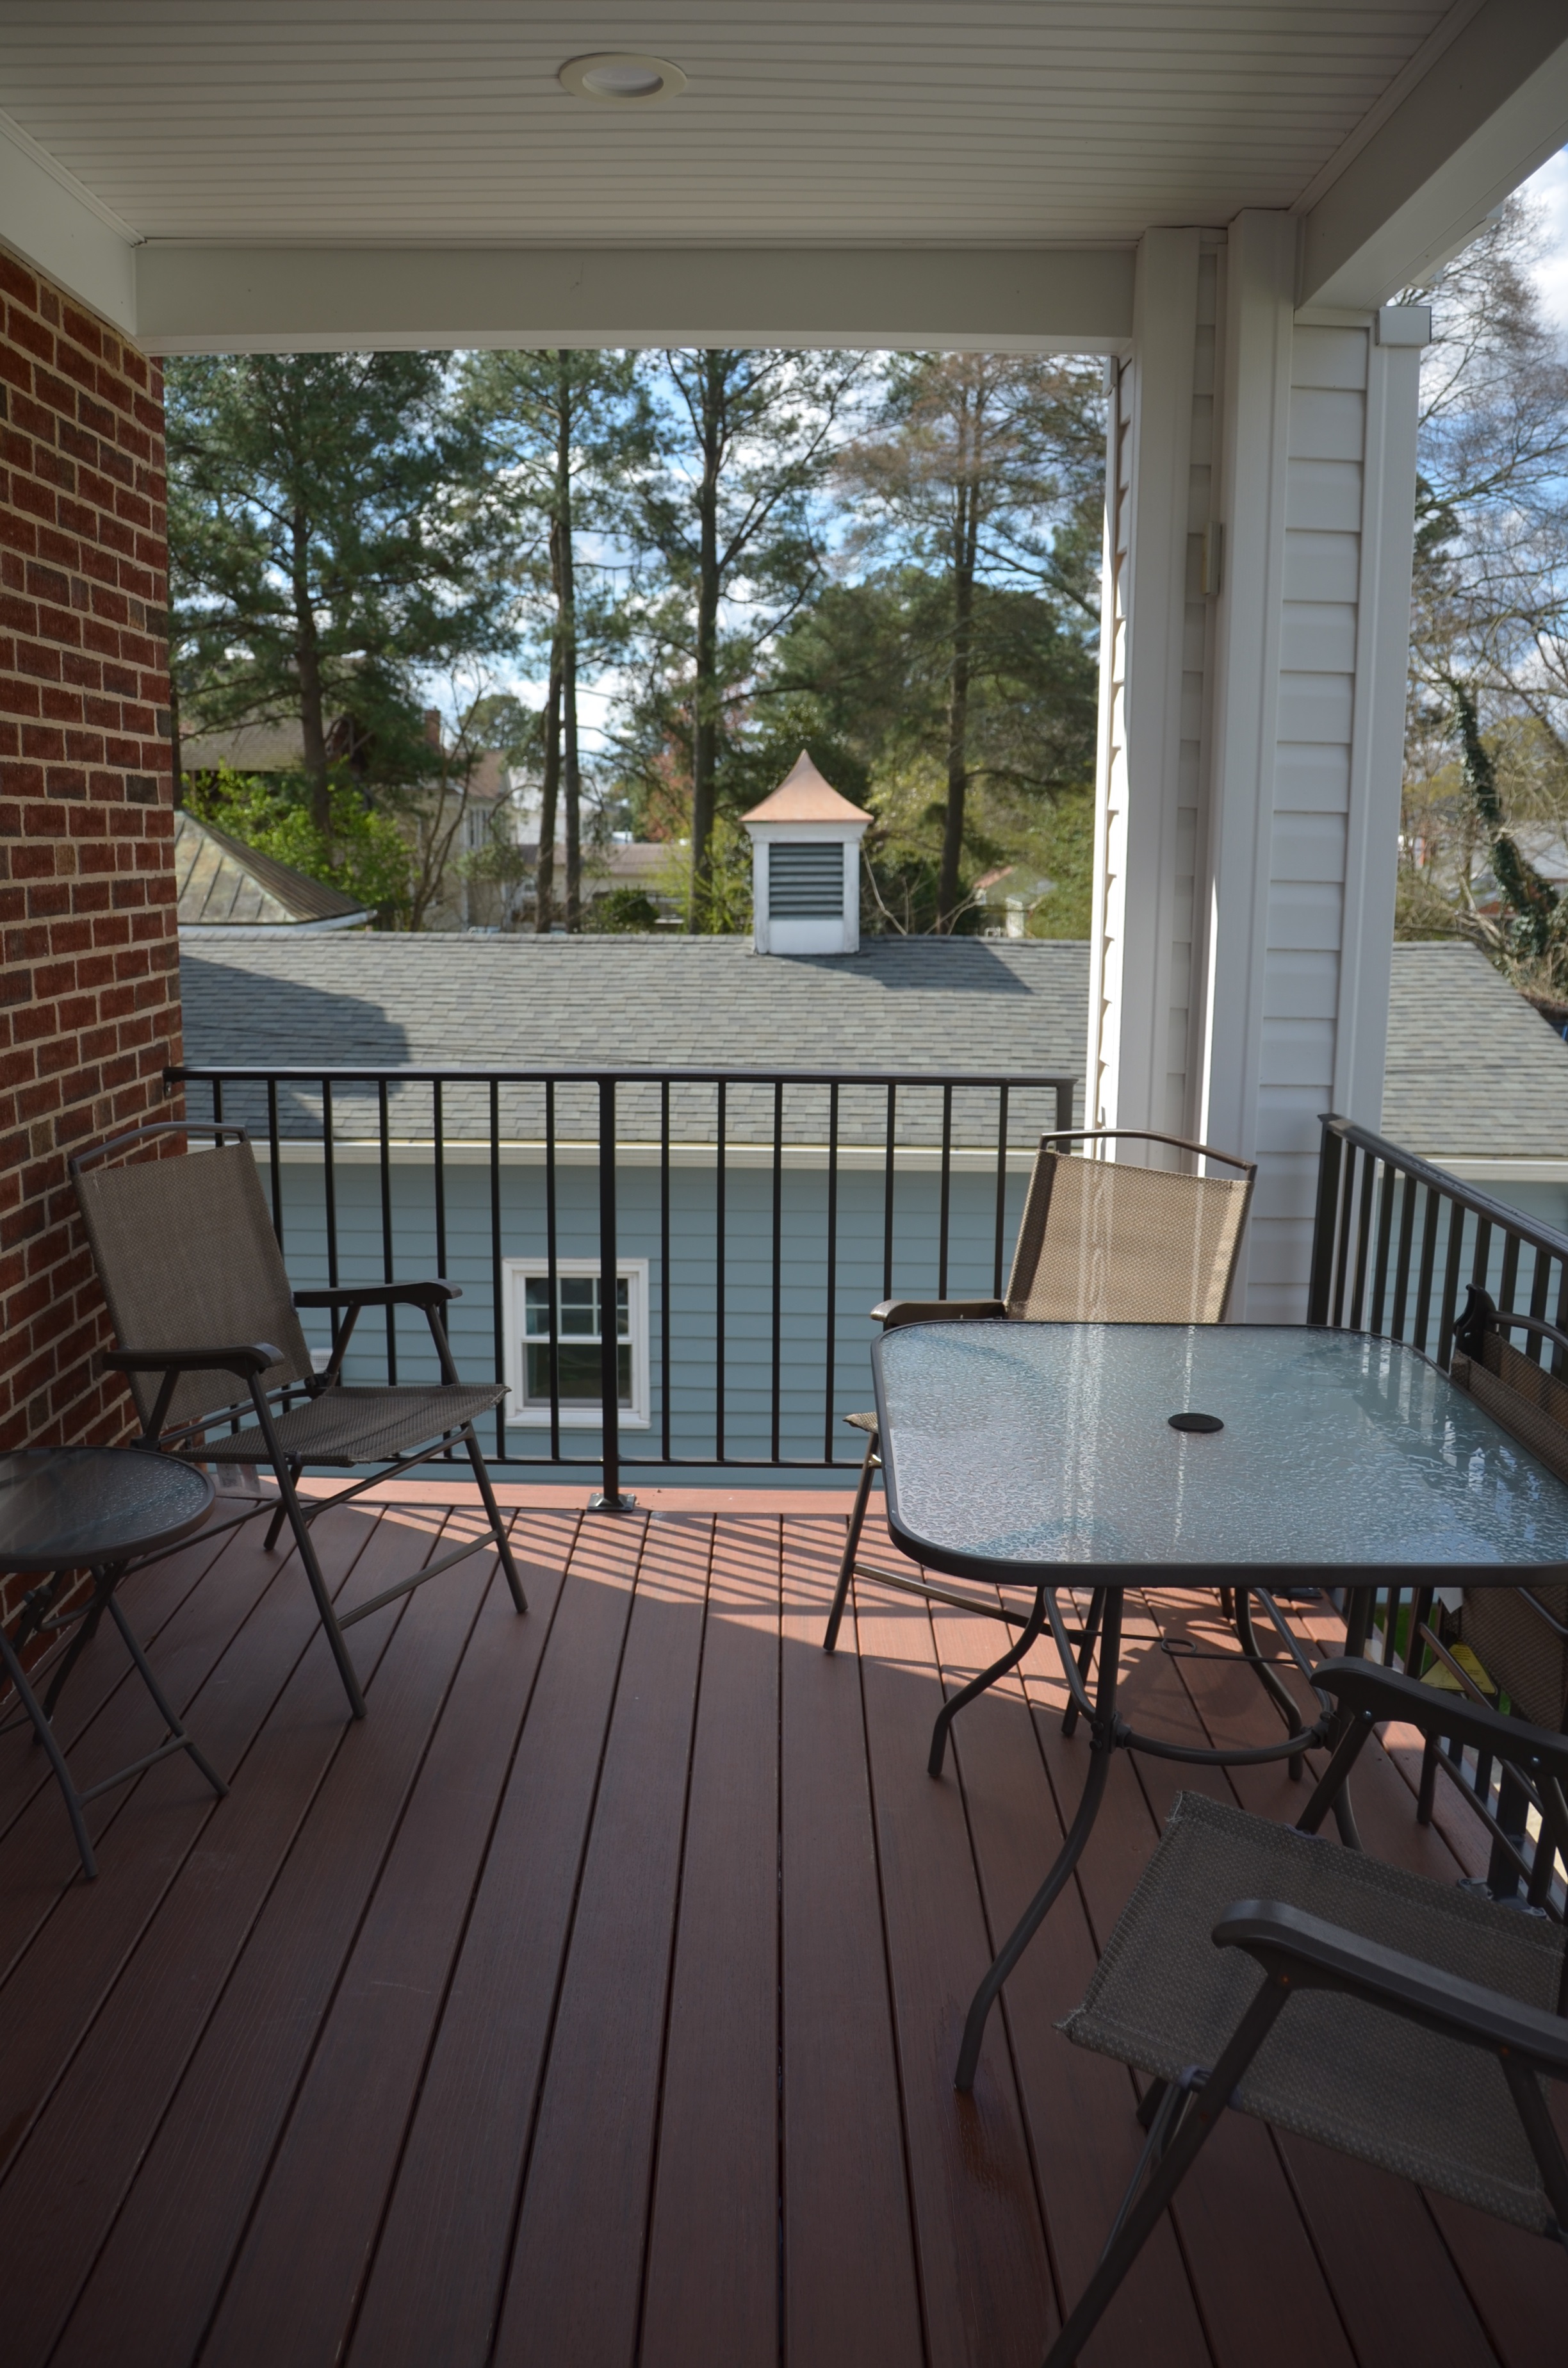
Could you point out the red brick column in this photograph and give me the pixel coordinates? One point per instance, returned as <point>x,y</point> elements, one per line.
<point>89,975</point>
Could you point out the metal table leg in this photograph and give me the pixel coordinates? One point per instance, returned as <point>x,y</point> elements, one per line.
<point>106,1578</point>
<point>1107,1736</point>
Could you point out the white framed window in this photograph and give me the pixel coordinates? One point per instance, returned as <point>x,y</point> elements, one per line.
<point>525,1284</point>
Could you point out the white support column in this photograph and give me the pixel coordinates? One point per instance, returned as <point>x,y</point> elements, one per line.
<point>1260,268</point>
<point>1250,749</point>
<point>1150,666</point>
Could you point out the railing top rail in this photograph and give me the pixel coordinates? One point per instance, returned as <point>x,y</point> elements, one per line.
<point>1498,1212</point>
<point>224,1072</point>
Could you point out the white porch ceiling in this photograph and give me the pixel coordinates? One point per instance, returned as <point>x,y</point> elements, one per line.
<point>845,120</point>
<point>234,173</point>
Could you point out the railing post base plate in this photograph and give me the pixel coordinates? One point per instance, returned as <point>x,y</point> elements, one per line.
<point>601,1503</point>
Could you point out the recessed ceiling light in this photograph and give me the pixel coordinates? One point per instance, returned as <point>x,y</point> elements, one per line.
<point>616,78</point>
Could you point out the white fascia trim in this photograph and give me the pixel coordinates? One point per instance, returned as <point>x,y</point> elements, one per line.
<point>199,299</point>
<point>1492,106</point>
<point>64,231</point>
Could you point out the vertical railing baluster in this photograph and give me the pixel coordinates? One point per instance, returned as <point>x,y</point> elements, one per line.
<point>387,1265</point>
<point>1363,1239</point>
<point>1449,1300</point>
<point>718,1183</point>
<point>438,1173</point>
<point>1385,1234</point>
<point>947,1192</point>
<point>778,1253</point>
<point>1001,1190</point>
<point>610,1499</point>
<point>1401,1261</point>
<point>329,1189</point>
<point>887,1192</point>
<point>1428,1262</point>
<point>1342,1259</point>
<point>552,1275</point>
<point>497,1304</point>
<point>1330,1155</point>
<point>275,1159</point>
<point>832,1269</point>
<point>665,1285</point>
<point>1508,1281</point>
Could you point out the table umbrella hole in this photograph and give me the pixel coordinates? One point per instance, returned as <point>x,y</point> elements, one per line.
<point>1196,1422</point>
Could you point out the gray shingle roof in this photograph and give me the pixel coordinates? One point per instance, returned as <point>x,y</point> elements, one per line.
<point>1473,1072</point>
<point>911,1005</point>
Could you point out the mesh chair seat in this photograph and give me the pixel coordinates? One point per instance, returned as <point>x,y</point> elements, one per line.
<point>1334,2068</point>
<point>862,1421</point>
<point>350,1426</point>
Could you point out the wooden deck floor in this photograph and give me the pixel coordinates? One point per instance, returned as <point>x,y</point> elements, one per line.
<point>596,2000</point>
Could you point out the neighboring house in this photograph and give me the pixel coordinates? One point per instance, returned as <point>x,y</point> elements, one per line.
<point>223,886</point>
<point>920,1006</point>
<point>1477,1081</point>
<point>1008,897</point>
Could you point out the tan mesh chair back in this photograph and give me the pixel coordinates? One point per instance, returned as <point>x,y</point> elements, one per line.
<point>188,1258</point>
<point>1518,1634</point>
<point>1107,1243</point>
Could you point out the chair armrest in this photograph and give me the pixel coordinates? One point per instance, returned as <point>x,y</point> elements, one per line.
<point>251,1357</point>
<point>381,1295</point>
<point>893,1312</point>
<point>1379,1693</point>
<point>1314,1954</point>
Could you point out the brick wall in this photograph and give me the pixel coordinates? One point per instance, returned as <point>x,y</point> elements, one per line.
<point>89,978</point>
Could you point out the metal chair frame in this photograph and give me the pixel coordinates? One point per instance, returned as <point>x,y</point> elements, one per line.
<point>247,1361</point>
<point>1298,1952</point>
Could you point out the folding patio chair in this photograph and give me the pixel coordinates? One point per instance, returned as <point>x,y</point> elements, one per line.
<point>1515,1637</point>
<point>196,1289</point>
<point>1405,2021</point>
<point>1099,1242</point>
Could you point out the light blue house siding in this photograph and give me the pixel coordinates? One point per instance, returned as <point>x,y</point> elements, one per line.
<point>682,1303</point>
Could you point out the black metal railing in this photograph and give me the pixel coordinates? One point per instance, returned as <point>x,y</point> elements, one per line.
<point>1396,1244</point>
<point>768,1209</point>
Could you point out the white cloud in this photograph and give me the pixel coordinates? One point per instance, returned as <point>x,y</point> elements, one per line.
<point>1549,187</point>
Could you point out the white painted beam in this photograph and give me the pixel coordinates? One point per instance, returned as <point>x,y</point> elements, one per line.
<point>1490,109</point>
<point>277,300</point>
<point>61,230</point>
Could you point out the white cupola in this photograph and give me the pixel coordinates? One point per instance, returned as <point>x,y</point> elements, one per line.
<point>805,867</point>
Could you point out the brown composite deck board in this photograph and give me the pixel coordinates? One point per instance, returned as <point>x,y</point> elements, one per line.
<point>1015,1824</point>
<point>984,2273</point>
<point>712,2272</point>
<point>597,2000</point>
<point>851,2288</point>
<point>1249,2257</point>
<point>265,1948</point>
<point>576,2277</point>
<point>436,2286</point>
<point>297,2279</point>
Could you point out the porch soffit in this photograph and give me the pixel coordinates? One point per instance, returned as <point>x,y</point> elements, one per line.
<point>396,172</point>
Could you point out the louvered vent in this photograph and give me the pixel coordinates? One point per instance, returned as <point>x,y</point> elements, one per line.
<point>806,884</point>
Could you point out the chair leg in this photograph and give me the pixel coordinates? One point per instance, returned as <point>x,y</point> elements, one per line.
<point>1278,1693</point>
<point>868,1468</point>
<point>497,1526</point>
<point>292,1511</point>
<point>1137,2225</point>
<point>279,1517</point>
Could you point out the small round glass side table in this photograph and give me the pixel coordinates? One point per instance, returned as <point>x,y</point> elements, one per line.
<point>101,1510</point>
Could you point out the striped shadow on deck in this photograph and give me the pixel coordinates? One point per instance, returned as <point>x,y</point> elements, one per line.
<point>595,2001</point>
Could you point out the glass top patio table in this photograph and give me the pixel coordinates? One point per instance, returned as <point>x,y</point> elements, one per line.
<point>1008,1448</point>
